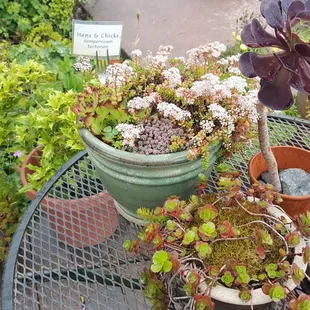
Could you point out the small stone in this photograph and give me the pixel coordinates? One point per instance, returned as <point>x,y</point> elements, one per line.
<point>265,177</point>
<point>295,182</point>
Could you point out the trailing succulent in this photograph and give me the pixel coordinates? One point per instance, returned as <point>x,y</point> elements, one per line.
<point>226,239</point>
<point>159,104</point>
<point>289,66</point>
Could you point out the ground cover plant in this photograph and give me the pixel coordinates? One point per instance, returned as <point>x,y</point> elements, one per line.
<point>227,238</point>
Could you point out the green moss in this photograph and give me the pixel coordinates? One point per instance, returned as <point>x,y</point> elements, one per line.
<point>243,251</point>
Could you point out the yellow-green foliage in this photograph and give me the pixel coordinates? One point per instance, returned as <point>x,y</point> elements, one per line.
<point>52,128</point>
<point>43,35</point>
<point>244,251</point>
<point>19,90</point>
<point>60,13</point>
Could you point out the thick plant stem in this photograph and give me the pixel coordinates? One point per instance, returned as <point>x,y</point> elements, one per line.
<point>263,136</point>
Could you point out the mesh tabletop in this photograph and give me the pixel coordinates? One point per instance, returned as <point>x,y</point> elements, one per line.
<point>67,251</point>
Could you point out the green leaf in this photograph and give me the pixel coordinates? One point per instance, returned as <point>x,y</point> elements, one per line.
<point>156,267</point>
<point>160,257</point>
<point>167,266</point>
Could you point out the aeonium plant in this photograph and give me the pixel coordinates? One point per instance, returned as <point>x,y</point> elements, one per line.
<point>279,71</point>
<point>228,239</point>
<point>160,104</point>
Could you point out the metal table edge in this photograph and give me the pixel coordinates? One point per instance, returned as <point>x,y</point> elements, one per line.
<point>9,267</point>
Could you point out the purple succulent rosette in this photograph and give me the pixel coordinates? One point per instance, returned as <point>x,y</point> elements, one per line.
<point>290,67</point>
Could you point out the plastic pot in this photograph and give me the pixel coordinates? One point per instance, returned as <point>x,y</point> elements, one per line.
<point>286,157</point>
<point>79,222</point>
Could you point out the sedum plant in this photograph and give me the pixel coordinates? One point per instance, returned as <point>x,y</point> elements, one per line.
<point>227,239</point>
<point>160,104</point>
<point>287,67</point>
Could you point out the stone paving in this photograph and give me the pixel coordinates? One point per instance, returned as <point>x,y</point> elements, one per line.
<point>182,23</point>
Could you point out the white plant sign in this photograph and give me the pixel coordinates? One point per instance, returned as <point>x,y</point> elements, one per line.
<point>93,37</point>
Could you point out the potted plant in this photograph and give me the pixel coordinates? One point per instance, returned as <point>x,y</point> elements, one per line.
<point>157,122</point>
<point>50,129</point>
<point>287,67</point>
<point>226,247</point>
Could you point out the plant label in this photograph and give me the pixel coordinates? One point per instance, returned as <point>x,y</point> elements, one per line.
<point>91,38</point>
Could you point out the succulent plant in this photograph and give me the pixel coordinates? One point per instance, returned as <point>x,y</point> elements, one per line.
<point>283,69</point>
<point>230,240</point>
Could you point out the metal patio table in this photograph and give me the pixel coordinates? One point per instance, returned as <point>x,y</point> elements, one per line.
<point>67,251</point>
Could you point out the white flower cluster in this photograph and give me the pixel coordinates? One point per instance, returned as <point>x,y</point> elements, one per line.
<point>136,53</point>
<point>139,103</point>
<point>205,51</point>
<point>207,126</point>
<point>83,64</point>
<point>119,73</point>
<point>214,49</point>
<point>171,110</point>
<point>129,133</point>
<point>236,82</point>
<point>230,60</point>
<point>173,76</point>
<point>211,86</point>
<point>221,114</point>
<point>234,70</point>
<point>179,60</point>
<point>247,106</point>
<point>158,61</point>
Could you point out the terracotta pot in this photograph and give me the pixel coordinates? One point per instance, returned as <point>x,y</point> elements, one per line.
<point>286,157</point>
<point>79,222</point>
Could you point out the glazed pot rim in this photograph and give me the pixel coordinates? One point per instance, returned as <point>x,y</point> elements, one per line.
<point>98,146</point>
<point>231,296</point>
<point>286,197</point>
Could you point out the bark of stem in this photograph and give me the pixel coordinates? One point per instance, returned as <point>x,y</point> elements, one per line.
<point>263,136</point>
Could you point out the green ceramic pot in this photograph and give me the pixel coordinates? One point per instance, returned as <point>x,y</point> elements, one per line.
<point>136,180</point>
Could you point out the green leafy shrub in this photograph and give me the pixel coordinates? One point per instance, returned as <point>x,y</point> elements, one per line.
<point>12,206</point>
<point>52,129</point>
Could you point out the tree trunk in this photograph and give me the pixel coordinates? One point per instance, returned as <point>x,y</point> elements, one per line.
<point>263,136</point>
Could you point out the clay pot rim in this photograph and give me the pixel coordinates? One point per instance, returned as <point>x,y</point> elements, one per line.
<point>286,197</point>
<point>47,199</point>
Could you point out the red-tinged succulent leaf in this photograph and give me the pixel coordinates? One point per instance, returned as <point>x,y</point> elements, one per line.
<point>245,295</point>
<point>193,278</point>
<point>306,254</point>
<point>171,204</point>
<point>260,251</point>
<point>262,37</point>
<point>265,66</point>
<point>203,302</point>
<point>277,95</point>
<point>301,303</point>
<point>245,65</point>
<point>266,288</point>
<point>158,241</point>
<point>213,271</point>
<point>273,15</point>
<point>226,230</point>
<point>297,274</point>
<point>277,292</point>
<point>207,213</point>
<point>294,9</point>
<point>247,37</point>
<point>292,239</point>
